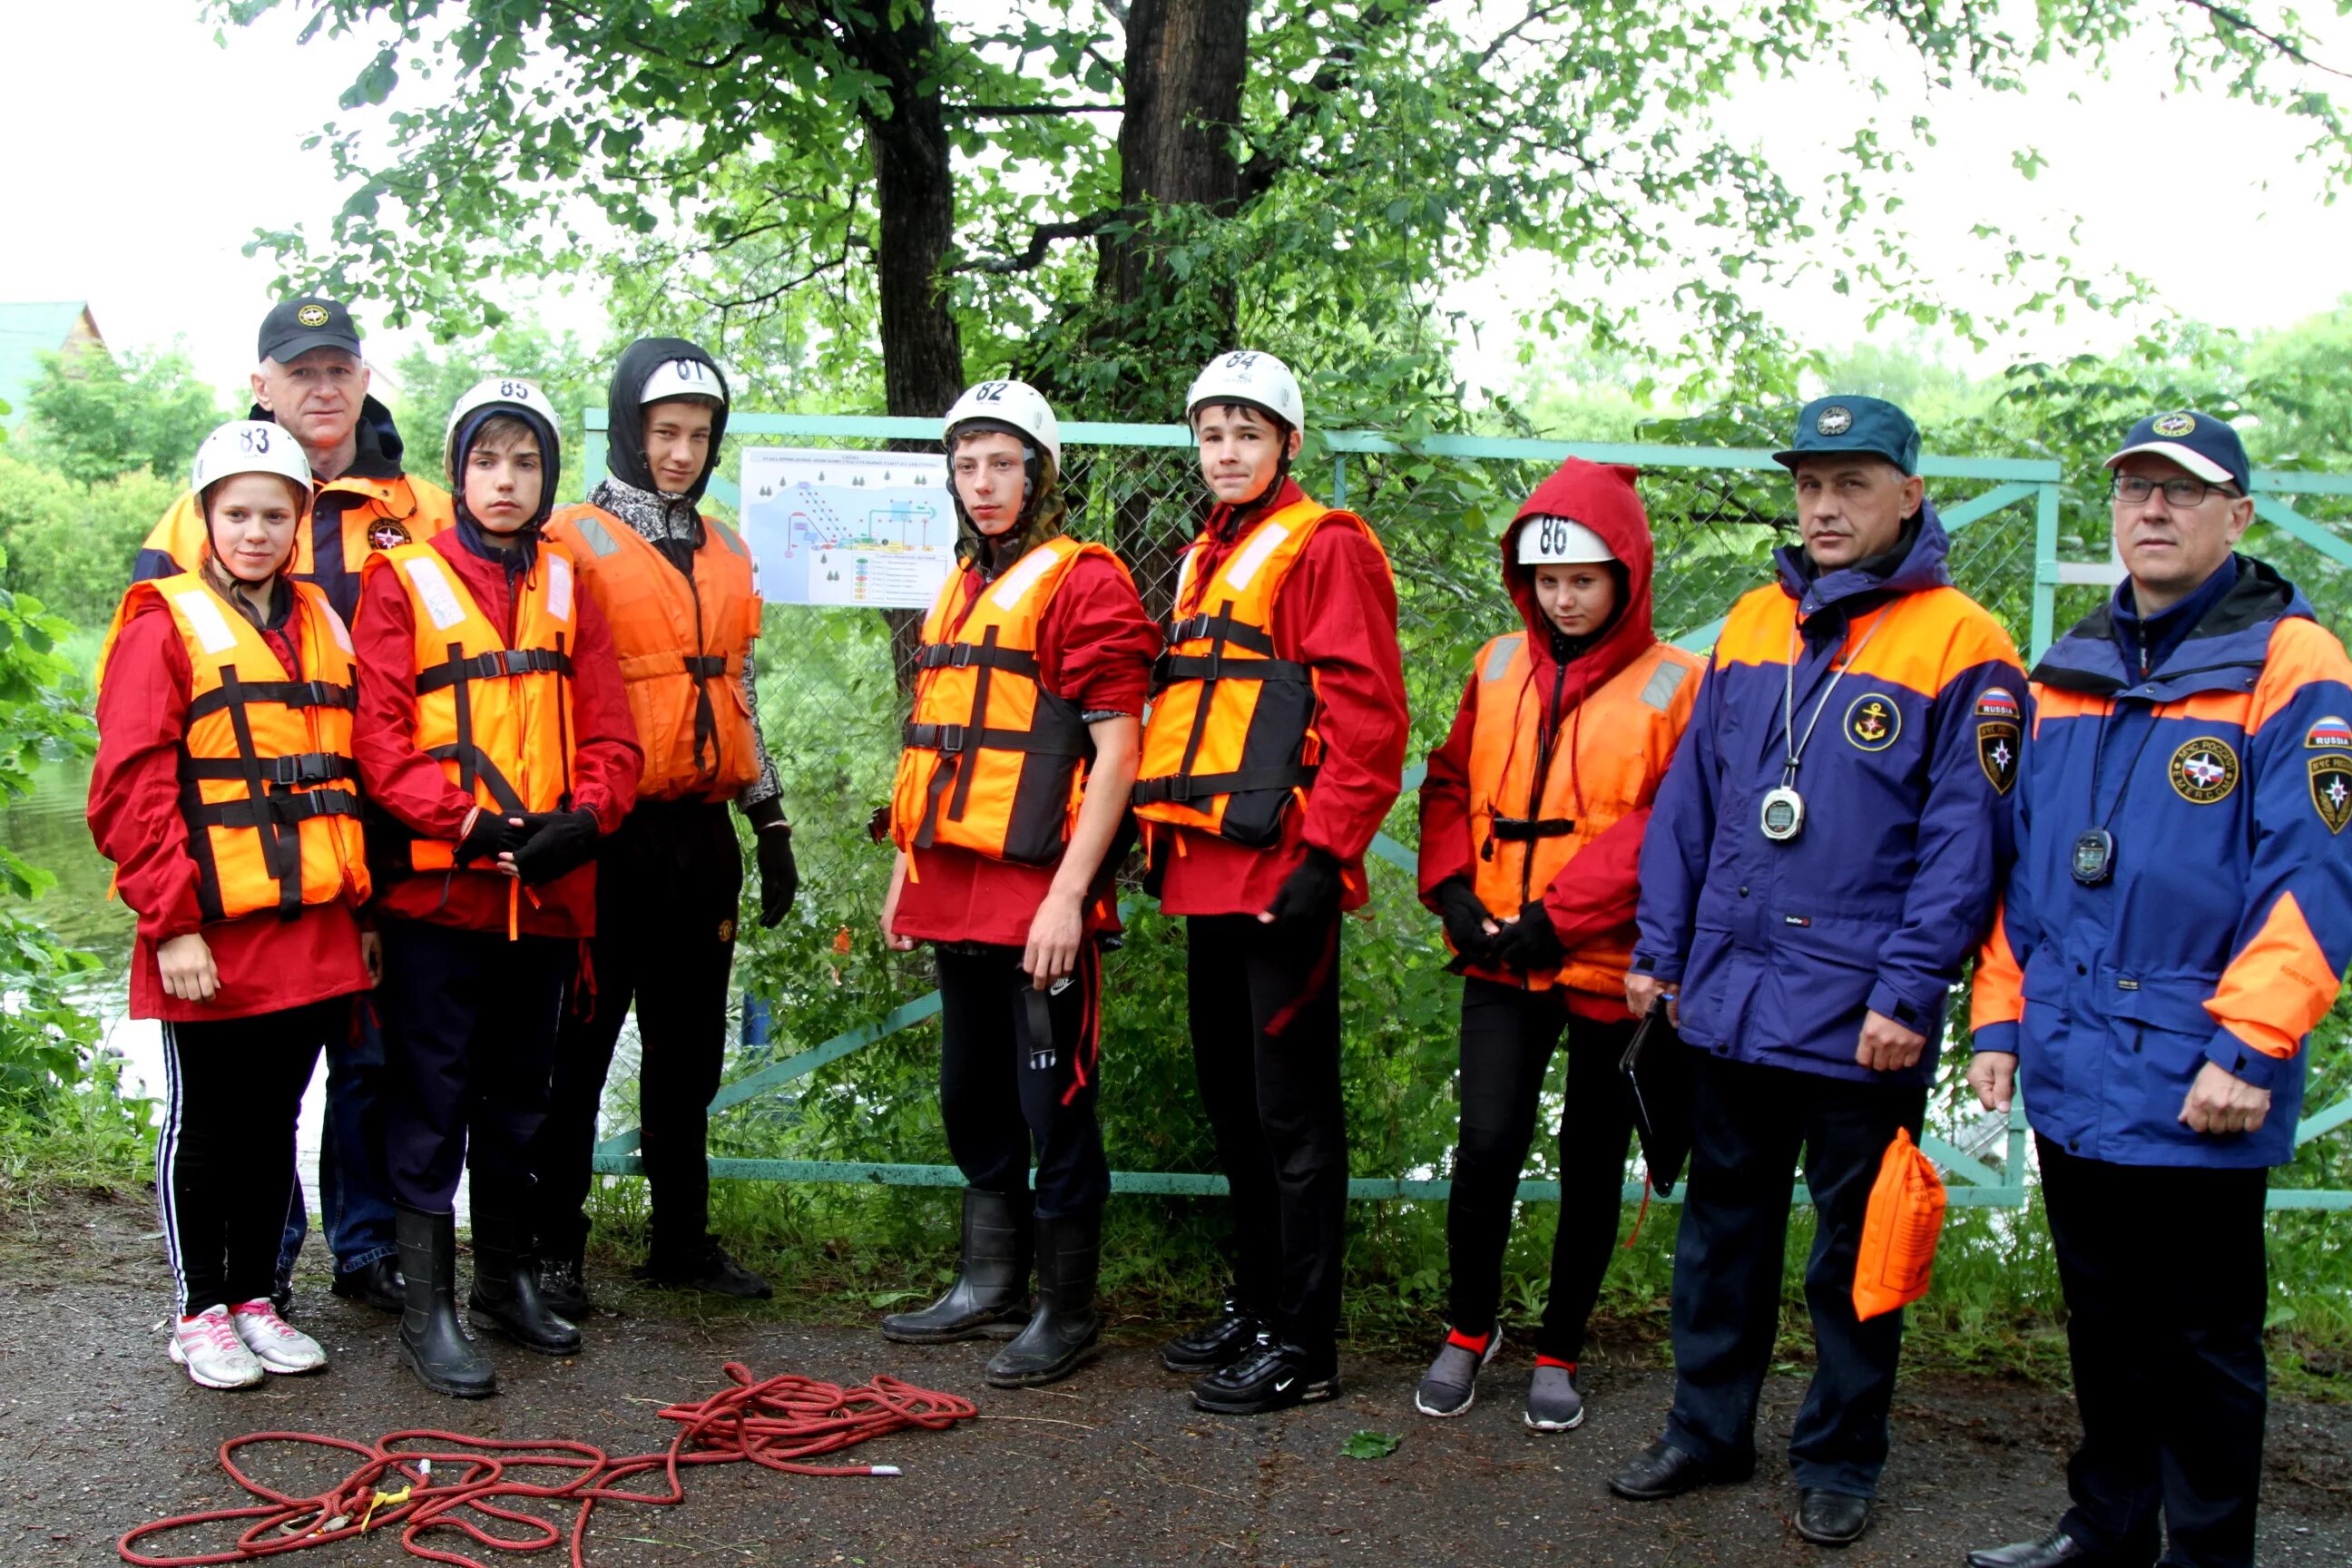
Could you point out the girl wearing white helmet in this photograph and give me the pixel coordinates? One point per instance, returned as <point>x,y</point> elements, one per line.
<point>1531,822</point>
<point>1011,790</point>
<point>494,737</point>
<point>1273,748</point>
<point>223,792</point>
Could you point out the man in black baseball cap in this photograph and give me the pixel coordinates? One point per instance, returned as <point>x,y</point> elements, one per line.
<point>311,380</point>
<point>294,327</point>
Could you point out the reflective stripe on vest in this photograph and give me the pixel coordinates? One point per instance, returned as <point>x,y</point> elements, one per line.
<point>267,787</point>
<point>681,642</point>
<point>1230,740</point>
<point>1534,808</point>
<point>497,719</point>
<point>994,762</point>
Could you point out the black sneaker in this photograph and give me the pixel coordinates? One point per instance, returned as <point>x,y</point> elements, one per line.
<point>1275,1375</point>
<point>564,1287</point>
<point>1219,1343</point>
<point>709,1269</point>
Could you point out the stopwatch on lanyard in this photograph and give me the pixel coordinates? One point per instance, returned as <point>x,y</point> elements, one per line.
<point>1782,816</point>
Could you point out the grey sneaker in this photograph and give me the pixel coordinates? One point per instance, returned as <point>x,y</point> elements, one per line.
<point>1553,1402</point>
<point>1451,1382</point>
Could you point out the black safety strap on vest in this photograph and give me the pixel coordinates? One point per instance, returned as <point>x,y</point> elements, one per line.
<point>274,818</point>
<point>705,669</point>
<point>1050,733</point>
<point>1220,631</point>
<point>1527,830</point>
<point>285,693</point>
<point>459,669</point>
<point>456,673</point>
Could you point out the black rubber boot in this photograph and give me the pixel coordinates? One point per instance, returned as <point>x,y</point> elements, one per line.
<point>505,1299</point>
<point>1062,1332</point>
<point>990,1299</point>
<point>432,1344</point>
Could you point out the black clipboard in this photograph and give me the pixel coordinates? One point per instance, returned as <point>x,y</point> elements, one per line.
<point>1657,1069</point>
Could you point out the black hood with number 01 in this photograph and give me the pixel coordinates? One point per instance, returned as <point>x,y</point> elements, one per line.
<point>624,413</point>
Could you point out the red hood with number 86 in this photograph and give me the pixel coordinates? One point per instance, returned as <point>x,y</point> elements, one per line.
<point>1602,497</point>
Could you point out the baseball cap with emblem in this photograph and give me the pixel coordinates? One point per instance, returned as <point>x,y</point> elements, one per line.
<point>294,327</point>
<point>1828,426</point>
<point>2205,446</point>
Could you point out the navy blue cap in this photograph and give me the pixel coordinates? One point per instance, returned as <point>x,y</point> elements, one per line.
<point>2205,446</point>
<point>1833,425</point>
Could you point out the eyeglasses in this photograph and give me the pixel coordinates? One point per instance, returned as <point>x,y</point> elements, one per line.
<point>2133,489</point>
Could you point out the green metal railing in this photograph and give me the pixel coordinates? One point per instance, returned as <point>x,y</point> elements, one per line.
<point>2009,483</point>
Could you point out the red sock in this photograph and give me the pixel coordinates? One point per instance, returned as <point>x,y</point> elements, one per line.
<point>1475,1343</point>
<point>1567,1366</point>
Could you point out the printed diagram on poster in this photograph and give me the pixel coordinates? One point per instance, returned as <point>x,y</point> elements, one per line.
<point>868,530</point>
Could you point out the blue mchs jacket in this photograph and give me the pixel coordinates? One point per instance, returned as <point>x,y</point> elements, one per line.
<point>1877,903</point>
<point>2225,779</point>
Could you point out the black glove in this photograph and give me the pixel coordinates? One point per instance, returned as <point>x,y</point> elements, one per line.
<point>560,842</point>
<point>1311,894</point>
<point>1529,943</point>
<point>1465,918</point>
<point>780,874</point>
<point>491,836</point>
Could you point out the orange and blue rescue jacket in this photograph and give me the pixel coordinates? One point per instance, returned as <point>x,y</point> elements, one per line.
<point>1776,949</point>
<point>2224,780</point>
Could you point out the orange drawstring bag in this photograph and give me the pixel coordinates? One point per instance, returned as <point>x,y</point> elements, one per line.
<point>1899,1230</point>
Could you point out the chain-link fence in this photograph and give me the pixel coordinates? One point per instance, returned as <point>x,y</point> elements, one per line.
<point>831,1081</point>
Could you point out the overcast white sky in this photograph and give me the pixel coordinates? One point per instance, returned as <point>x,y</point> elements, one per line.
<point>140,157</point>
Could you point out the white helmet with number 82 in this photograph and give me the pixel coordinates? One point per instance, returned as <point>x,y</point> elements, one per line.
<point>250,446</point>
<point>1012,406</point>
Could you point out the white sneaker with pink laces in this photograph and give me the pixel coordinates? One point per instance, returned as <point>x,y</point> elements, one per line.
<point>277,1344</point>
<point>208,1346</point>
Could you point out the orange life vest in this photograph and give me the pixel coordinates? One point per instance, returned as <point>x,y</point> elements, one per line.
<point>681,642</point>
<point>267,786</point>
<point>1230,740</point>
<point>1606,759</point>
<point>498,719</point>
<point>994,762</point>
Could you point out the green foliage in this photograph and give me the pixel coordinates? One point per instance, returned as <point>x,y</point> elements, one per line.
<point>716,163</point>
<point>44,1035</point>
<point>95,416</point>
<point>71,545</point>
<point>432,381</point>
<point>1368,1444</point>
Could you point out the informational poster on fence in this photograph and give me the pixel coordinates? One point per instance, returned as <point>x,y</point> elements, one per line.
<point>867,530</point>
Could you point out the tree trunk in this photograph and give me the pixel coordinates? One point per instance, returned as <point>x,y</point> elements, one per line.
<point>1185,62</point>
<point>914,189</point>
<point>1184,67</point>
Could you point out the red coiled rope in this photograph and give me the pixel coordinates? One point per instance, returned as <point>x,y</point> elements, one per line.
<point>405,1481</point>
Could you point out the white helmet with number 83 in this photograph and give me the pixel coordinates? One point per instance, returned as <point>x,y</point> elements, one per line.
<point>250,446</point>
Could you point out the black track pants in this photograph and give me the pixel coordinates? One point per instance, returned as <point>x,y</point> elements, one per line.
<point>670,884</point>
<point>224,1156</point>
<point>1509,1036</point>
<point>1003,1090</point>
<point>1266,1045</point>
